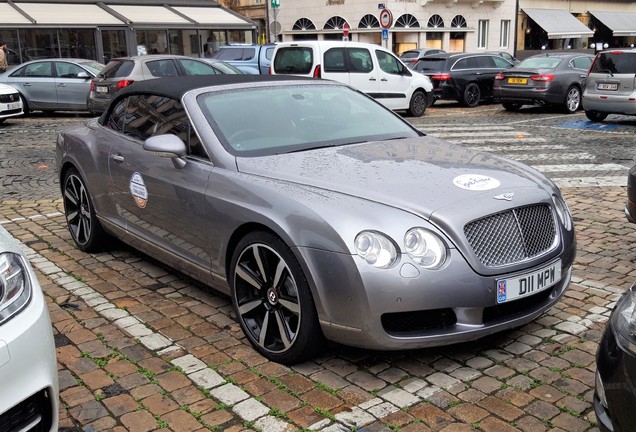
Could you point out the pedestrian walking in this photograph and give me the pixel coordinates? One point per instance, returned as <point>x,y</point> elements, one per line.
<point>3,57</point>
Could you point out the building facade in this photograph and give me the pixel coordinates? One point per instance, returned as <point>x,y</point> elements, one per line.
<point>102,30</point>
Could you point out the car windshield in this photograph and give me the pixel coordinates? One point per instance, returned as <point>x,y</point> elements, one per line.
<point>616,62</point>
<point>93,66</point>
<point>540,63</point>
<point>292,118</point>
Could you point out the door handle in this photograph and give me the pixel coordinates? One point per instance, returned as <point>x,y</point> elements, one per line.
<point>384,79</point>
<point>61,85</point>
<point>27,84</point>
<point>477,73</point>
<point>117,158</point>
<point>372,79</point>
<point>583,76</point>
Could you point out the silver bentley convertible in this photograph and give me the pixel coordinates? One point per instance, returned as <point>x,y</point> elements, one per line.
<point>318,211</point>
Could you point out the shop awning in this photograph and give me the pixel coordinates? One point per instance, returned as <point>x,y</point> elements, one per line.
<point>558,23</point>
<point>621,23</point>
<point>149,15</point>
<point>61,14</point>
<point>211,16</point>
<point>8,15</point>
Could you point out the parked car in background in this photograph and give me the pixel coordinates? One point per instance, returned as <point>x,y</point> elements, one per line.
<point>28,368</point>
<point>544,79</point>
<point>411,57</point>
<point>251,59</point>
<point>366,67</point>
<point>615,392</point>
<point>123,71</point>
<point>611,85</point>
<point>303,216</point>
<point>10,102</point>
<point>465,77</point>
<point>506,55</point>
<point>630,206</point>
<point>59,84</point>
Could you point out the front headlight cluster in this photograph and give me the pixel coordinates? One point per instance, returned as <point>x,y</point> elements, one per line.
<point>15,286</point>
<point>563,211</point>
<point>624,320</point>
<point>424,247</point>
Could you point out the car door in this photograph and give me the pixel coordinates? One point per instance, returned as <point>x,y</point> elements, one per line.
<point>72,83</point>
<point>362,72</point>
<point>489,66</point>
<point>36,82</point>
<point>394,81</point>
<point>580,66</point>
<point>195,67</point>
<point>159,203</point>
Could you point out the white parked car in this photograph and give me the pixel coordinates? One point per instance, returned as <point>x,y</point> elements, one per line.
<point>28,368</point>
<point>366,67</point>
<point>10,102</point>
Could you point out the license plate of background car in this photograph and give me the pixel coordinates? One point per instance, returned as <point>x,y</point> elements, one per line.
<point>14,105</point>
<point>101,89</point>
<point>602,86</point>
<point>528,284</point>
<point>517,80</point>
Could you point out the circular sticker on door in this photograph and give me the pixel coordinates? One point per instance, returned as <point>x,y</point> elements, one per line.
<point>476,182</point>
<point>138,190</point>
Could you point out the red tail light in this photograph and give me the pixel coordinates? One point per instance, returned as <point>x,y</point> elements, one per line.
<point>543,77</point>
<point>441,77</point>
<point>500,76</point>
<point>317,73</point>
<point>124,83</point>
<point>92,85</point>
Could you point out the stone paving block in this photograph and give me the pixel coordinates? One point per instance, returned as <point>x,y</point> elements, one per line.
<point>206,378</point>
<point>250,409</point>
<point>229,394</point>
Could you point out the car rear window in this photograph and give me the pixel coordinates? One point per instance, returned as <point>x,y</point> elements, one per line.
<point>617,62</point>
<point>430,64</point>
<point>232,54</point>
<point>118,69</point>
<point>540,62</point>
<point>293,60</point>
<point>409,54</point>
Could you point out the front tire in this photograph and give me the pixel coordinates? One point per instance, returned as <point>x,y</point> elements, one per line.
<point>418,104</point>
<point>471,96</point>
<point>595,116</point>
<point>82,222</point>
<point>272,300</point>
<point>572,101</point>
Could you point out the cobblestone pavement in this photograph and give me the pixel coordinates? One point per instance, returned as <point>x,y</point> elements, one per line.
<point>141,347</point>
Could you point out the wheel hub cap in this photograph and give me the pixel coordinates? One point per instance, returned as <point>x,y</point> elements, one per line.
<point>272,296</point>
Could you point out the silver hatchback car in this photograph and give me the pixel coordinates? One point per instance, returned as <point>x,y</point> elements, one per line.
<point>121,72</point>
<point>611,85</point>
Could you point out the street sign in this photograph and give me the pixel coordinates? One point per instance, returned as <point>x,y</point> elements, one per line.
<point>275,3</point>
<point>380,5</point>
<point>386,18</point>
<point>385,34</point>
<point>345,29</point>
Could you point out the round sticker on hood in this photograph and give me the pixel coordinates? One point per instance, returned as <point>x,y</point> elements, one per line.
<point>138,190</point>
<point>476,182</point>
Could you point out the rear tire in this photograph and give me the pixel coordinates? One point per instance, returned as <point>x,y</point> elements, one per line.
<point>572,101</point>
<point>418,104</point>
<point>471,96</point>
<point>511,106</point>
<point>595,116</point>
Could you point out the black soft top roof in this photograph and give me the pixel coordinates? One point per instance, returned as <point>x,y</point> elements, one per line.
<point>176,87</point>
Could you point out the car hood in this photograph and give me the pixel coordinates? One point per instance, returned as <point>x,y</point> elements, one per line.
<point>419,175</point>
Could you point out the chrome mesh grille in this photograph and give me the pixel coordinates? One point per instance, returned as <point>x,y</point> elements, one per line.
<point>512,236</point>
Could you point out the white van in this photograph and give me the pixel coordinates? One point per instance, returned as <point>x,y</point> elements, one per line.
<point>365,67</point>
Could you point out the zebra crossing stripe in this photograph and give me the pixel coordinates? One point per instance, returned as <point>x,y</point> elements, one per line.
<point>590,181</point>
<point>580,167</point>
<point>504,140</point>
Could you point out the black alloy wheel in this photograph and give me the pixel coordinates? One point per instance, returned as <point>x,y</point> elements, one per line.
<point>418,104</point>
<point>272,300</point>
<point>572,100</point>
<point>596,116</point>
<point>80,214</point>
<point>471,96</point>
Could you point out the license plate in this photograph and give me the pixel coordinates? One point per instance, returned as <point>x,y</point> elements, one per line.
<point>14,105</point>
<point>101,89</point>
<point>603,86</point>
<point>528,284</point>
<point>517,80</point>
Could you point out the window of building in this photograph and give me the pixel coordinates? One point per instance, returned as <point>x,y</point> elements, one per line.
<point>482,34</point>
<point>504,37</point>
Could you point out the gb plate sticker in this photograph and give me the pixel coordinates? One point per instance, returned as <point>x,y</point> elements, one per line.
<point>138,190</point>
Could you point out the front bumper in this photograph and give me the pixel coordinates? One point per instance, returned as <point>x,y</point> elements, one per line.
<point>11,109</point>
<point>406,307</point>
<point>28,368</point>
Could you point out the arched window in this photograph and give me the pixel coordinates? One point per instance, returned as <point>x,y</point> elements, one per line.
<point>435,21</point>
<point>458,22</point>
<point>369,21</point>
<point>407,21</point>
<point>304,24</point>
<point>335,23</point>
